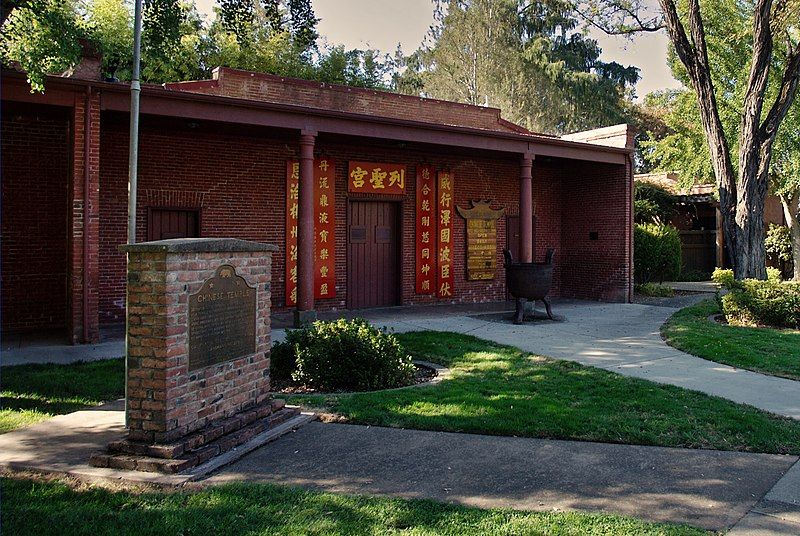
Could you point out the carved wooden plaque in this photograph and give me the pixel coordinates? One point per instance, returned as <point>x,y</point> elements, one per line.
<point>222,319</point>
<point>481,240</point>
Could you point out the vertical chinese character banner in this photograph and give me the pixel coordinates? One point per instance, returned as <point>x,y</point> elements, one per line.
<point>426,230</point>
<point>292,208</point>
<point>445,203</point>
<point>324,229</point>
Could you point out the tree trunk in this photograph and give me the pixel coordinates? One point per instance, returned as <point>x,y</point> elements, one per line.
<point>791,209</point>
<point>742,204</point>
<point>750,254</point>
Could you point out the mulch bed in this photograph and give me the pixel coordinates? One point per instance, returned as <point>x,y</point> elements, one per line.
<point>422,374</point>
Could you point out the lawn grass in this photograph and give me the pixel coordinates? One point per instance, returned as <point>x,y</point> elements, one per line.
<point>501,390</point>
<point>35,507</point>
<point>769,351</point>
<point>32,393</point>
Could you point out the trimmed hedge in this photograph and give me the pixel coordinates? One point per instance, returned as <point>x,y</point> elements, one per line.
<point>342,355</point>
<point>753,302</point>
<point>657,252</point>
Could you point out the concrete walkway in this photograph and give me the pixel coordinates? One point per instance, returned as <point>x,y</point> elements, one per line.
<point>709,489</point>
<point>622,338</point>
<point>705,488</point>
<point>49,347</point>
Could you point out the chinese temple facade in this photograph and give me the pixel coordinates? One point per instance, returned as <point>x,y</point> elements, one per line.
<point>374,199</point>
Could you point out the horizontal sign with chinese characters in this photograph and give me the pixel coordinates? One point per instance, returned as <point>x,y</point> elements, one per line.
<point>376,178</point>
<point>324,229</point>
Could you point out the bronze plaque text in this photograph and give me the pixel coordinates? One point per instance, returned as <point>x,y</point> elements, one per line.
<point>481,240</point>
<point>222,319</point>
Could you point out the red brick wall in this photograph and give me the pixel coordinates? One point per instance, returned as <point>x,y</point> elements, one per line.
<point>595,201</point>
<point>35,174</point>
<point>271,88</point>
<point>237,178</point>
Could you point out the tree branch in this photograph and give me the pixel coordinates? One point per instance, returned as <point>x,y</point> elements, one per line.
<point>787,93</point>
<point>612,18</point>
<point>749,138</point>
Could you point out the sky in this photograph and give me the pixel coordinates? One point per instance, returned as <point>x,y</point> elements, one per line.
<point>382,24</point>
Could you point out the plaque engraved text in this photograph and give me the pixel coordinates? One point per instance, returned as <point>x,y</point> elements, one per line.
<point>481,240</point>
<point>222,319</point>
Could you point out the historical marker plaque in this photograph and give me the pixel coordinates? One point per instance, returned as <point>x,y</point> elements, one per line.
<point>222,319</point>
<point>481,240</point>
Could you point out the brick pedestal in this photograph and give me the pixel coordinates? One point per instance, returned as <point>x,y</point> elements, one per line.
<point>181,414</point>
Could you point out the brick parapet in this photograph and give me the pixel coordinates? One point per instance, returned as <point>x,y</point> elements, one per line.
<point>166,400</point>
<point>276,89</point>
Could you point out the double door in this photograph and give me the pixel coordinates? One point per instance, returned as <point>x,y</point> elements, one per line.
<point>373,254</point>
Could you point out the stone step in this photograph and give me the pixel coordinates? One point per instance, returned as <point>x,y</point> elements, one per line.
<point>195,440</point>
<point>193,457</point>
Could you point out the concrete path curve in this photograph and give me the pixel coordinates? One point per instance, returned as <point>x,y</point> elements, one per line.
<point>623,338</point>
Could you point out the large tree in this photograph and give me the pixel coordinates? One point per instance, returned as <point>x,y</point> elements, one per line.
<point>525,57</point>
<point>683,146</point>
<point>741,165</point>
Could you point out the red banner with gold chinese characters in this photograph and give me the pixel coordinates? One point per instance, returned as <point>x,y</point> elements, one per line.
<point>376,178</point>
<point>292,212</point>
<point>426,230</point>
<point>324,229</point>
<point>445,204</point>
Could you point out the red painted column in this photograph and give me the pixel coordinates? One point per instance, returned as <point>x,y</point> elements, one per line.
<point>526,209</point>
<point>305,237</point>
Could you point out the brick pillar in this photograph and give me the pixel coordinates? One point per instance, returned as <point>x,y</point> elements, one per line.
<point>526,209</point>
<point>305,239</point>
<point>84,236</point>
<point>169,396</point>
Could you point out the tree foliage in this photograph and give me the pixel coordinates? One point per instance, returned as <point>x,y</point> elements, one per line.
<point>683,147</point>
<point>742,63</point>
<point>526,57</point>
<point>652,203</point>
<point>45,38</point>
<point>274,36</point>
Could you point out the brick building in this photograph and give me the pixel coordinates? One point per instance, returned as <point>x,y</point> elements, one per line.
<point>233,157</point>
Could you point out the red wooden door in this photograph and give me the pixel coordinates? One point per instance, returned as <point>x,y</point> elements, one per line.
<point>373,254</point>
<point>172,223</point>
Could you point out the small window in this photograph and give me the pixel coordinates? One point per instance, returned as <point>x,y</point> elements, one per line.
<point>164,223</point>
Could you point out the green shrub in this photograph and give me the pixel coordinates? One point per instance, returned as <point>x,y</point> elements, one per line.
<point>657,252</point>
<point>779,243</point>
<point>724,278</point>
<point>655,290</point>
<point>342,355</point>
<point>773,274</point>
<point>754,302</point>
